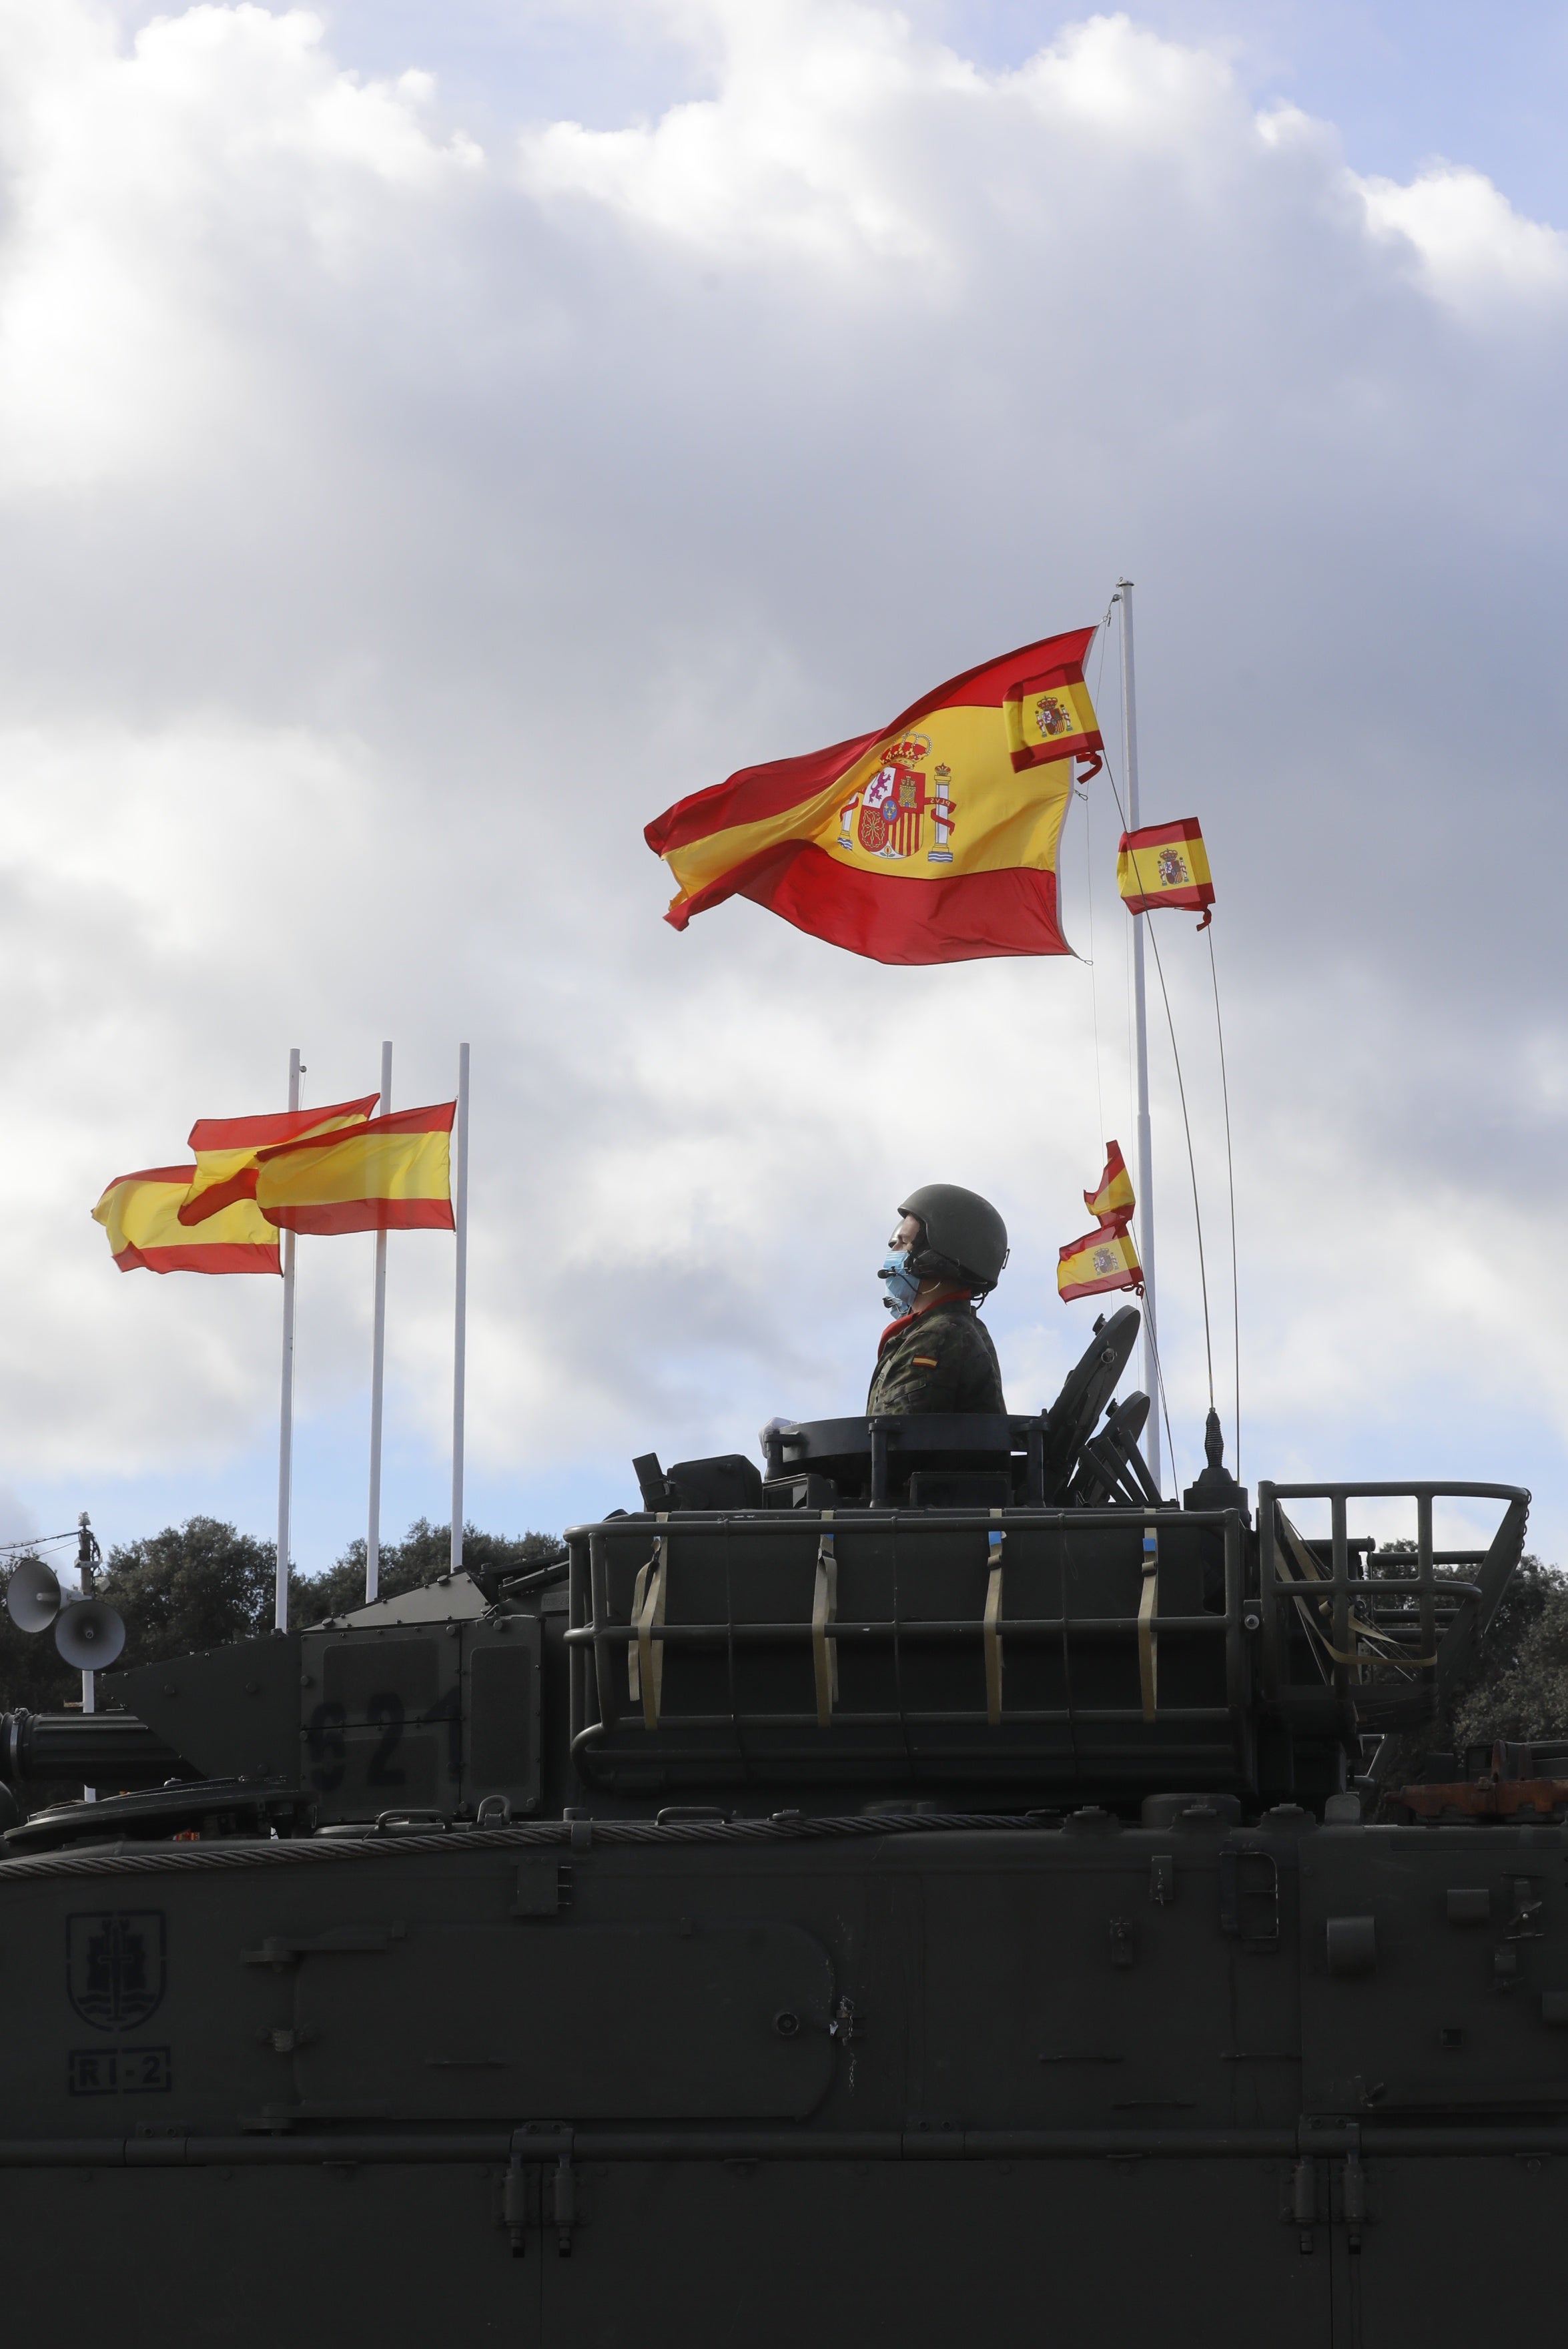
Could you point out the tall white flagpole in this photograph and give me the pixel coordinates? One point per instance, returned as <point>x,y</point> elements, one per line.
<point>286,1414</point>
<point>86,1550</point>
<point>377,1369</point>
<point>1140,1048</point>
<point>459,1326</point>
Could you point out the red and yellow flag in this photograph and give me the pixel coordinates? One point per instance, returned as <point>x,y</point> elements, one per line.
<point>1105,1259</point>
<point>1113,1202</point>
<point>1102,1259</point>
<point>226,1150</point>
<point>141,1213</point>
<point>934,840</point>
<point>1165,865</point>
<point>393,1174</point>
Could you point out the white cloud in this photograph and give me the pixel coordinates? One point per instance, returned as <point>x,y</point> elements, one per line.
<point>394,527</point>
<point>1472,248</point>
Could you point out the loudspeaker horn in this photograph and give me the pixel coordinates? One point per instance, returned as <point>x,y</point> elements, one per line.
<point>89,1635</point>
<point>33,1599</point>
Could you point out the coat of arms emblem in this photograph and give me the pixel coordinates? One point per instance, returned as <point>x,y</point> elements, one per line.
<point>1054,717</point>
<point>1104,1260</point>
<point>1173,873</point>
<point>115,1966</point>
<point>895,800</point>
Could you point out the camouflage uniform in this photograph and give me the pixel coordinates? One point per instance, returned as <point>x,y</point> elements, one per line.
<point>941,1359</point>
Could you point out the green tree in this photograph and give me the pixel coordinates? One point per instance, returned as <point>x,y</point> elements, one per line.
<point>420,1557</point>
<point>1511,1681</point>
<point>191,1586</point>
<point>204,1583</point>
<point>1526,1699</point>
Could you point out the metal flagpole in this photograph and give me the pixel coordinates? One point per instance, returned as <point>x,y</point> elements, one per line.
<point>285,1414</point>
<point>460,1327</point>
<point>1140,1046</point>
<point>377,1366</point>
<point>88,1553</point>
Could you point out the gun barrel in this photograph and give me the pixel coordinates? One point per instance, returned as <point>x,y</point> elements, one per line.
<point>91,1749</point>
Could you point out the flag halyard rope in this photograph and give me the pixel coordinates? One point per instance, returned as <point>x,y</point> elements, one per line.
<point>1230,1180</point>
<point>1186,1122</point>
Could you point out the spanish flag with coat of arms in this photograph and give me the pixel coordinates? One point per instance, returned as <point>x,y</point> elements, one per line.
<point>1106,1259</point>
<point>933,839</point>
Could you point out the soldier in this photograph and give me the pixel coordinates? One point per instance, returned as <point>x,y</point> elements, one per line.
<point>938,1355</point>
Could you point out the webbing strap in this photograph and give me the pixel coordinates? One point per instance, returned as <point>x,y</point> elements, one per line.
<point>824,1610</point>
<point>994,1540</point>
<point>646,1658</point>
<point>1148,1608</point>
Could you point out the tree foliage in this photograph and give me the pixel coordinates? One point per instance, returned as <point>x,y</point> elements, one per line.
<point>1522,1674</point>
<point>419,1558</point>
<point>1525,1696</point>
<point>204,1583</point>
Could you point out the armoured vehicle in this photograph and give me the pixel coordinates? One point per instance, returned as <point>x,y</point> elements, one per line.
<point>933,1886</point>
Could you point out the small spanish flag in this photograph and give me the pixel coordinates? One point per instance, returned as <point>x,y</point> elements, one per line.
<point>1106,1259</point>
<point>392,1173</point>
<point>1113,1202</point>
<point>1101,1260</point>
<point>226,1150</point>
<point>1166,864</point>
<point>141,1213</point>
<point>933,839</point>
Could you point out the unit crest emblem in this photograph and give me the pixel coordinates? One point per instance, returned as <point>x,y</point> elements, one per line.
<point>115,1966</point>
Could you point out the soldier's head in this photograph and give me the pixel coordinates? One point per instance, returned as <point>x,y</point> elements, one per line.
<point>946,1238</point>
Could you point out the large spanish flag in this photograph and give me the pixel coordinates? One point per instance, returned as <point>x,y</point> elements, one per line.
<point>226,1149</point>
<point>141,1213</point>
<point>1166,864</point>
<point>393,1174</point>
<point>934,840</point>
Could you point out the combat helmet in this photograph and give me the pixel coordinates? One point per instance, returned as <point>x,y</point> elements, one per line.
<point>964,1239</point>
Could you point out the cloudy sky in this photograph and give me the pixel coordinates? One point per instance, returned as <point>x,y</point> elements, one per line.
<point>434,438</point>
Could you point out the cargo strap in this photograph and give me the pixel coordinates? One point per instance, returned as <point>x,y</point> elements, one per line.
<point>1148,1608</point>
<point>645,1657</point>
<point>825,1610</point>
<point>993,1544</point>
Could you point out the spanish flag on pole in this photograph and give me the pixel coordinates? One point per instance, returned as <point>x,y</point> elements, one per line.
<point>1113,1202</point>
<point>1106,1259</point>
<point>141,1213</point>
<point>226,1150</point>
<point>1103,1259</point>
<point>933,839</point>
<point>1166,864</point>
<point>391,1174</point>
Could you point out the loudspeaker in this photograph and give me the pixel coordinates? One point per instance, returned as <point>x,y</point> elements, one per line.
<point>89,1635</point>
<point>33,1599</point>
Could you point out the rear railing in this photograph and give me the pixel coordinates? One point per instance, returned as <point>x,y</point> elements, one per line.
<point>1386,1643</point>
<point>1042,1645</point>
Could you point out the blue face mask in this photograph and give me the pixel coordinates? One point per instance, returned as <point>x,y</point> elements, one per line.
<point>902,1287</point>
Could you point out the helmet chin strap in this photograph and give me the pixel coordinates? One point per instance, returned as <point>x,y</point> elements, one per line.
<point>932,1267</point>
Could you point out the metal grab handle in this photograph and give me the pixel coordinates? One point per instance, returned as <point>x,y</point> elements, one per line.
<point>824,1610</point>
<point>994,1541</point>
<point>1148,1609</point>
